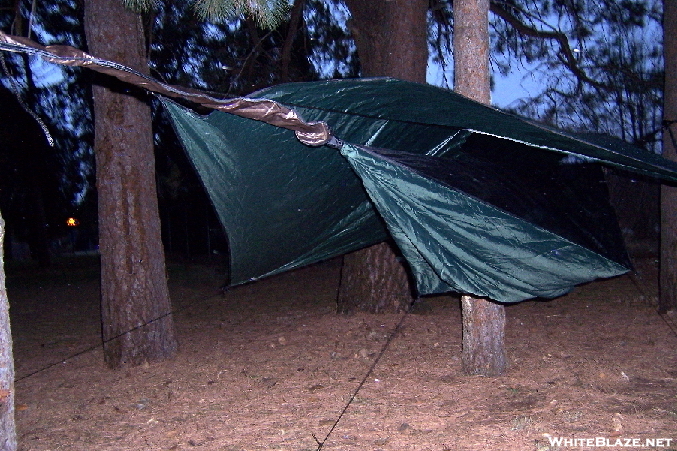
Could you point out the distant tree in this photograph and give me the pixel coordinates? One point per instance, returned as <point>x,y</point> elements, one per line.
<point>7,426</point>
<point>137,324</point>
<point>332,48</point>
<point>668,269</point>
<point>30,179</point>
<point>598,62</point>
<point>391,38</point>
<point>41,183</point>
<point>31,174</point>
<point>237,56</point>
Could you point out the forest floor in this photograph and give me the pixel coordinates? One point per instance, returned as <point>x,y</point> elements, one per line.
<point>270,366</point>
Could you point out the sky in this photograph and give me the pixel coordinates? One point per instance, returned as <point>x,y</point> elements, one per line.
<point>507,89</point>
<point>515,86</point>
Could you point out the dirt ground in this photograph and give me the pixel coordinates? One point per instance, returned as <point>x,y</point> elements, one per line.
<point>270,366</point>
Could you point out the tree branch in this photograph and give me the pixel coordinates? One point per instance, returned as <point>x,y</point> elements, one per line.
<point>567,58</point>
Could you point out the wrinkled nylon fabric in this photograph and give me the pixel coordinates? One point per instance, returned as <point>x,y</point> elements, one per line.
<point>455,242</point>
<point>407,105</point>
<point>569,200</point>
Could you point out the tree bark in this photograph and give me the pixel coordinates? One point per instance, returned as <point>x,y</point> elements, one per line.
<point>7,425</point>
<point>483,320</point>
<point>137,325</point>
<point>668,259</point>
<point>292,31</point>
<point>471,49</point>
<point>483,337</point>
<point>373,280</point>
<point>391,38</point>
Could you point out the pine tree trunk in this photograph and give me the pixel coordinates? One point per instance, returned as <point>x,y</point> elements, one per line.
<point>483,320</point>
<point>668,270</point>
<point>471,49</point>
<point>373,280</point>
<point>391,38</point>
<point>483,337</point>
<point>7,426</point>
<point>137,325</point>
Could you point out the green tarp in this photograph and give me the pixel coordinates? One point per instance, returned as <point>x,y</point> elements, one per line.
<point>457,242</point>
<point>477,200</point>
<point>284,204</point>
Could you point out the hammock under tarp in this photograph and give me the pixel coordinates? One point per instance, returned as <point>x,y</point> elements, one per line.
<point>470,212</point>
<point>477,200</point>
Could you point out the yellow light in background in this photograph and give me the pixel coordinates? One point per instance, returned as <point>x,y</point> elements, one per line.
<point>72,222</point>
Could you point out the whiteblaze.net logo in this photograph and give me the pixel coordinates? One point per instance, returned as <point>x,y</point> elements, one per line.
<point>605,442</point>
